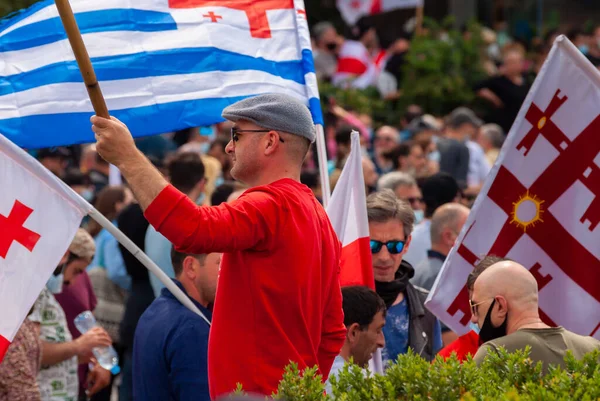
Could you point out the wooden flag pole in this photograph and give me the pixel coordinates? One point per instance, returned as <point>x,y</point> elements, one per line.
<point>83,59</point>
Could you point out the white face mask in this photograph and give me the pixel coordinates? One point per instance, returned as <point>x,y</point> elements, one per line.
<point>55,283</point>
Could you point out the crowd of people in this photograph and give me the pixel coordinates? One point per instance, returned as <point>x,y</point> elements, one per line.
<point>231,213</point>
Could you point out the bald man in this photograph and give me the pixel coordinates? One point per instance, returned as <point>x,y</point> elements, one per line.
<point>504,304</point>
<point>446,223</point>
<point>278,297</point>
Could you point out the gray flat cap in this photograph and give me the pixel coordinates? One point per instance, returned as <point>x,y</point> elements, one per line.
<point>274,111</point>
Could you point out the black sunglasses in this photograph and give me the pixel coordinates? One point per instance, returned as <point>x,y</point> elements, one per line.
<point>236,130</point>
<point>414,200</point>
<point>393,247</point>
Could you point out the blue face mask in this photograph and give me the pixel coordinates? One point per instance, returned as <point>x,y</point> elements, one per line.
<point>584,49</point>
<point>55,283</point>
<point>434,156</point>
<point>419,216</point>
<point>474,327</point>
<point>88,195</point>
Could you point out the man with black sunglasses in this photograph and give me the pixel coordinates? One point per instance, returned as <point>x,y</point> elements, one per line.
<point>278,298</point>
<point>408,322</point>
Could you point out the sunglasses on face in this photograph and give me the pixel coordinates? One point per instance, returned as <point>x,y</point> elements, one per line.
<point>235,131</point>
<point>393,247</point>
<point>414,200</point>
<point>474,306</point>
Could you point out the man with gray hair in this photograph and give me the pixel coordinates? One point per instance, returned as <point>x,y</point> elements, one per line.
<point>446,224</point>
<point>279,297</point>
<point>491,138</point>
<point>408,322</point>
<point>405,187</point>
<point>327,45</point>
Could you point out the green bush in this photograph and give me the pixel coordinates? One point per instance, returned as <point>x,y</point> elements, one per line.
<point>502,376</point>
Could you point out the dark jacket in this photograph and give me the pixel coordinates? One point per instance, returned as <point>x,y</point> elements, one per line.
<point>454,159</point>
<point>133,224</point>
<point>422,323</point>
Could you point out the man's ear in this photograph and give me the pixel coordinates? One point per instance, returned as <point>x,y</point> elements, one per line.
<point>64,258</point>
<point>188,267</point>
<point>502,306</point>
<point>353,333</point>
<point>272,142</point>
<point>407,244</point>
<point>448,234</point>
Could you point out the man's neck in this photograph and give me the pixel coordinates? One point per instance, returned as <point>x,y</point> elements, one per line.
<point>193,292</point>
<point>345,351</point>
<point>439,248</point>
<point>270,177</point>
<point>526,321</point>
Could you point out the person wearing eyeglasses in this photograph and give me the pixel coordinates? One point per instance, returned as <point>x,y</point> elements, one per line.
<point>504,304</point>
<point>405,187</point>
<point>408,323</point>
<point>278,294</point>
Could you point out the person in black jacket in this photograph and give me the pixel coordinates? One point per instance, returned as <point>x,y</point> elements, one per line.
<point>408,323</point>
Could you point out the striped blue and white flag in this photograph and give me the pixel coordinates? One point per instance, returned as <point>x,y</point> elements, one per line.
<point>162,65</point>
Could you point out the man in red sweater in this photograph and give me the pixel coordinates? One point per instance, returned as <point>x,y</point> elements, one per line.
<point>278,297</point>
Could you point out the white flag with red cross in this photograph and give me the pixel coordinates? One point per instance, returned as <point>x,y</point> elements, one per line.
<point>353,10</point>
<point>39,216</point>
<point>541,203</point>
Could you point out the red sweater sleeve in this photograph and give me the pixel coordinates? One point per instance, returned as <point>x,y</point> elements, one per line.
<point>248,223</point>
<point>333,334</point>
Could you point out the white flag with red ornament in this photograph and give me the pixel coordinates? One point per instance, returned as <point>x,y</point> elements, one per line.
<point>39,216</point>
<point>353,10</point>
<point>540,205</point>
<point>347,212</point>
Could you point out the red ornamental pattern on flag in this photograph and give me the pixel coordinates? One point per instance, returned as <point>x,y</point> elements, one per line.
<point>541,203</point>
<point>39,216</point>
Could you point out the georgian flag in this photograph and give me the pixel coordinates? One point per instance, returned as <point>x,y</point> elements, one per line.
<point>353,10</point>
<point>540,205</point>
<point>39,217</point>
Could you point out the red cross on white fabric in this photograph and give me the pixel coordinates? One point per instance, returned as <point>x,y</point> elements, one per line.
<point>12,230</point>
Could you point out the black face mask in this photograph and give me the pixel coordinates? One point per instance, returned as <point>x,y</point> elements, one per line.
<point>488,332</point>
<point>331,46</point>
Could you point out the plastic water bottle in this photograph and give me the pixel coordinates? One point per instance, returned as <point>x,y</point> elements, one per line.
<point>106,356</point>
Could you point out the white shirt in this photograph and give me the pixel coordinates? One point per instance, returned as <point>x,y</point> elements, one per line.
<point>338,365</point>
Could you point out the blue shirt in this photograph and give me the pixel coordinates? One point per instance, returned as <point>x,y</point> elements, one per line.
<point>109,257</point>
<point>158,249</point>
<point>170,352</point>
<point>395,333</point>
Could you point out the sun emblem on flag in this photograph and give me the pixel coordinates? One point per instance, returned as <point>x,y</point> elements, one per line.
<point>527,211</point>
